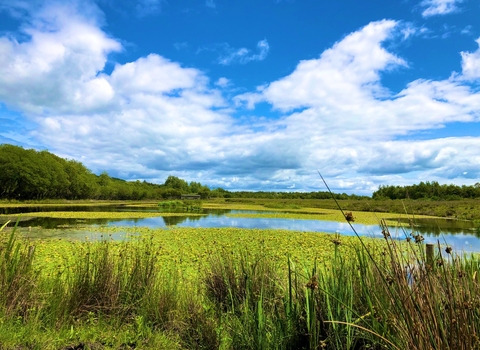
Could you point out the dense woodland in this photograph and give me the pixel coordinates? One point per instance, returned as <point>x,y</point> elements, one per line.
<point>27,174</point>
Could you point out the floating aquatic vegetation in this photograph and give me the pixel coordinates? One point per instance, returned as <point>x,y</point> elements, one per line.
<point>366,218</point>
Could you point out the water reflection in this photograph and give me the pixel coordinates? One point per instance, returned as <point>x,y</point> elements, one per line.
<point>89,208</point>
<point>104,208</point>
<point>461,235</point>
<point>177,220</point>
<point>437,227</point>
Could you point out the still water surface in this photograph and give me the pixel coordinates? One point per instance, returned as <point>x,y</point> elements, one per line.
<point>461,235</point>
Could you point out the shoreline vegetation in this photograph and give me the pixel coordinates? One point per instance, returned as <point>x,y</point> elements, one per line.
<point>28,174</point>
<point>366,211</point>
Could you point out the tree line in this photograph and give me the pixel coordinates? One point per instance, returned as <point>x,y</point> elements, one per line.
<point>428,190</point>
<point>26,174</point>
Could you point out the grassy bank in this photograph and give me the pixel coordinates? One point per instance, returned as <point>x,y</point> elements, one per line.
<point>467,209</point>
<point>96,215</point>
<point>234,289</point>
<point>76,202</point>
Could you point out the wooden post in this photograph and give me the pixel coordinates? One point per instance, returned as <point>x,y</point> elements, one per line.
<point>429,253</point>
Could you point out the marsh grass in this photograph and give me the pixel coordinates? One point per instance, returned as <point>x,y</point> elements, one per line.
<point>187,205</point>
<point>171,204</point>
<point>17,277</point>
<point>435,303</point>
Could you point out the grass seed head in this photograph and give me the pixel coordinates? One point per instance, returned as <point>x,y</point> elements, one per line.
<point>313,283</point>
<point>418,238</point>
<point>349,216</point>
<point>385,233</point>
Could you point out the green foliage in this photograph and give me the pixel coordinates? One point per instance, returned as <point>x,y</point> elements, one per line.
<point>17,278</point>
<point>173,204</point>
<point>31,175</point>
<point>176,183</point>
<point>428,190</point>
<point>185,206</point>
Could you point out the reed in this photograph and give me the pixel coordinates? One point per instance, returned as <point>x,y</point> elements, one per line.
<point>17,276</point>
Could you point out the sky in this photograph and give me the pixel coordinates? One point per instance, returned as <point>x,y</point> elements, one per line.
<point>248,95</point>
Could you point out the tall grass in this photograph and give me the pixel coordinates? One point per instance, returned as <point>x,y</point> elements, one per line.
<point>17,278</point>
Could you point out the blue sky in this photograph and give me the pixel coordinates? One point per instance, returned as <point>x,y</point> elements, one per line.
<point>248,95</point>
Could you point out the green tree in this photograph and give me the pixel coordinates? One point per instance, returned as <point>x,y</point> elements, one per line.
<point>176,183</point>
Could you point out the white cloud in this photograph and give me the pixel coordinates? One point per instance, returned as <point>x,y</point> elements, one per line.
<point>153,117</point>
<point>244,55</point>
<point>471,64</point>
<point>349,122</point>
<point>350,68</point>
<point>58,68</point>
<point>223,82</point>
<point>408,31</point>
<point>439,7</point>
<point>467,30</point>
<point>152,74</point>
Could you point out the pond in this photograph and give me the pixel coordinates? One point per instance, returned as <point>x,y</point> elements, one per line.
<point>461,235</point>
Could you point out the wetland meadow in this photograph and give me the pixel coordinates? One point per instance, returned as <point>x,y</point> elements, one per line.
<point>238,274</point>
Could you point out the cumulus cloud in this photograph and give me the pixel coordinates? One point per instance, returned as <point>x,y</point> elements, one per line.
<point>439,7</point>
<point>57,68</point>
<point>350,68</point>
<point>244,55</point>
<point>150,108</point>
<point>351,121</point>
<point>152,74</point>
<point>152,117</point>
<point>436,157</point>
<point>341,92</point>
